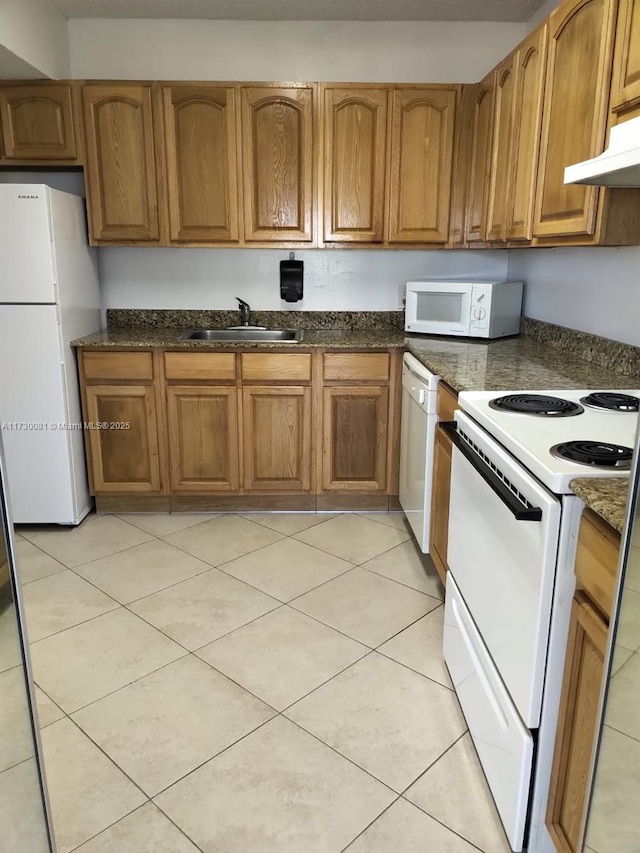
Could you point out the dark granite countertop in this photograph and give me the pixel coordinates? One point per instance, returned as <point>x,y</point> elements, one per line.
<point>606,496</point>
<point>168,338</point>
<point>512,364</point>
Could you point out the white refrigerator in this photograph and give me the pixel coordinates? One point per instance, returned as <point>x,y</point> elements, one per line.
<point>48,296</point>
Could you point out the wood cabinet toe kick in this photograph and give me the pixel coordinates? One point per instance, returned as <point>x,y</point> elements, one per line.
<point>239,430</point>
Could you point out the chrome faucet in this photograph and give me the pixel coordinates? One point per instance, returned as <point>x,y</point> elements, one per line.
<point>245,312</point>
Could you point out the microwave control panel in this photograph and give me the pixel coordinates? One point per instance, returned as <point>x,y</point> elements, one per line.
<point>480,304</point>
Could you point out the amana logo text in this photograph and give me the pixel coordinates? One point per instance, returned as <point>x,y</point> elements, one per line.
<point>28,196</point>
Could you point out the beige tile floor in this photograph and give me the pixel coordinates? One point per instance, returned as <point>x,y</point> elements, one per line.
<point>247,684</point>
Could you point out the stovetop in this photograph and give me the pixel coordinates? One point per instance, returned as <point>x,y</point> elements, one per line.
<point>534,439</point>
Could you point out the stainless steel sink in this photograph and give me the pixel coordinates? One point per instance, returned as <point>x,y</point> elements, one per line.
<point>243,333</point>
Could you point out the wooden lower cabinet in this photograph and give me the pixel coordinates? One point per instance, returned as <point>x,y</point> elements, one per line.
<point>203,438</point>
<point>354,438</point>
<point>579,717</point>
<point>123,438</point>
<point>578,724</point>
<point>439,535</point>
<point>276,437</point>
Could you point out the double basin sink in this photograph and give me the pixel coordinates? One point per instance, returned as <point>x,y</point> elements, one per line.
<point>243,333</point>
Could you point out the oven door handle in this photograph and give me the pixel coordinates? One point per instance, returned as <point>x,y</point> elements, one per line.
<point>520,511</point>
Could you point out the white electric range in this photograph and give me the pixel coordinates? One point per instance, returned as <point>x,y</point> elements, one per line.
<point>513,527</point>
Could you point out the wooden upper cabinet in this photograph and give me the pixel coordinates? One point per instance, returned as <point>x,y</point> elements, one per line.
<point>354,164</point>
<point>121,170</point>
<point>502,146</point>
<point>575,113</point>
<point>461,164</point>
<point>202,173</point>
<point>530,66</point>
<point>277,146</point>
<point>422,126</point>
<point>39,123</point>
<point>481,139</point>
<point>625,88</point>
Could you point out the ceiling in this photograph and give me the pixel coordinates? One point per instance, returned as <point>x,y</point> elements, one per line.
<point>304,10</point>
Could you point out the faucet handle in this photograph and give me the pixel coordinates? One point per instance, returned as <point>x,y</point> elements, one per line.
<point>242,303</point>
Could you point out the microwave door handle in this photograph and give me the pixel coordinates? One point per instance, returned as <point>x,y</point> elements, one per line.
<point>520,510</point>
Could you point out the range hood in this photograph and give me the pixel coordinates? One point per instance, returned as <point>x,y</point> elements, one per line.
<point>618,166</point>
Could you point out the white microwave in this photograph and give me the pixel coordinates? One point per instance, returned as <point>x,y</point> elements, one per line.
<point>470,309</point>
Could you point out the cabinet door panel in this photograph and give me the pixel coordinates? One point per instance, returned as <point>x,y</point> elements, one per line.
<point>476,228</point>
<point>439,535</point>
<point>202,174</point>
<point>501,160</point>
<point>626,65</point>
<point>575,113</point>
<point>526,138</point>
<point>577,725</point>
<point>203,438</point>
<point>354,164</point>
<point>277,144</point>
<point>120,162</point>
<point>421,161</point>
<point>38,123</point>
<point>462,164</point>
<point>123,459</point>
<point>277,438</point>
<point>355,438</point>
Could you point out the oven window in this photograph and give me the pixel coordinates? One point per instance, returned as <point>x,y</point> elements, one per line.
<point>440,307</point>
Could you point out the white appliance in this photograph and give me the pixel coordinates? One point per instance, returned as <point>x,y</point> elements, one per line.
<point>618,166</point>
<point>419,418</point>
<point>48,296</point>
<point>470,309</point>
<point>513,527</point>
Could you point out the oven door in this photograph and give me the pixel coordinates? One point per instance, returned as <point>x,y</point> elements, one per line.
<point>503,541</point>
<point>438,308</point>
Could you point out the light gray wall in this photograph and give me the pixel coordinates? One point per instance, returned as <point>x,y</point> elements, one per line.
<point>334,280</point>
<point>358,51</point>
<point>36,33</point>
<point>594,290</point>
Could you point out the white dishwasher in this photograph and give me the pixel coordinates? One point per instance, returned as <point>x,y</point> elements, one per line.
<point>419,418</point>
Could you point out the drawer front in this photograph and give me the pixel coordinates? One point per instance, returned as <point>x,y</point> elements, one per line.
<point>504,745</point>
<point>360,367</point>
<point>186,366</point>
<point>277,367</point>
<point>136,366</point>
<point>447,402</point>
<point>597,560</point>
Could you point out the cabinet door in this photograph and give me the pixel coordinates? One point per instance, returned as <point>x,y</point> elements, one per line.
<point>481,139</point>
<point>439,535</point>
<point>530,62</point>
<point>203,438</point>
<point>462,162</point>
<point>422,127</point>
<point>202,172</point>
<point>354,164</point>
<point>277,146</point>
<point>577,725</point>
<point>502,147</point>
<point>575,113</point>
<point>625,89</point>
<point>277,438</point>
<point>123,458</point>
<point>355,438</point>
<point>38,123</point>
<point>120,168</point>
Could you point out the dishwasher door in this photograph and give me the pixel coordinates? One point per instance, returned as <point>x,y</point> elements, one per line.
<point>419,417</point>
